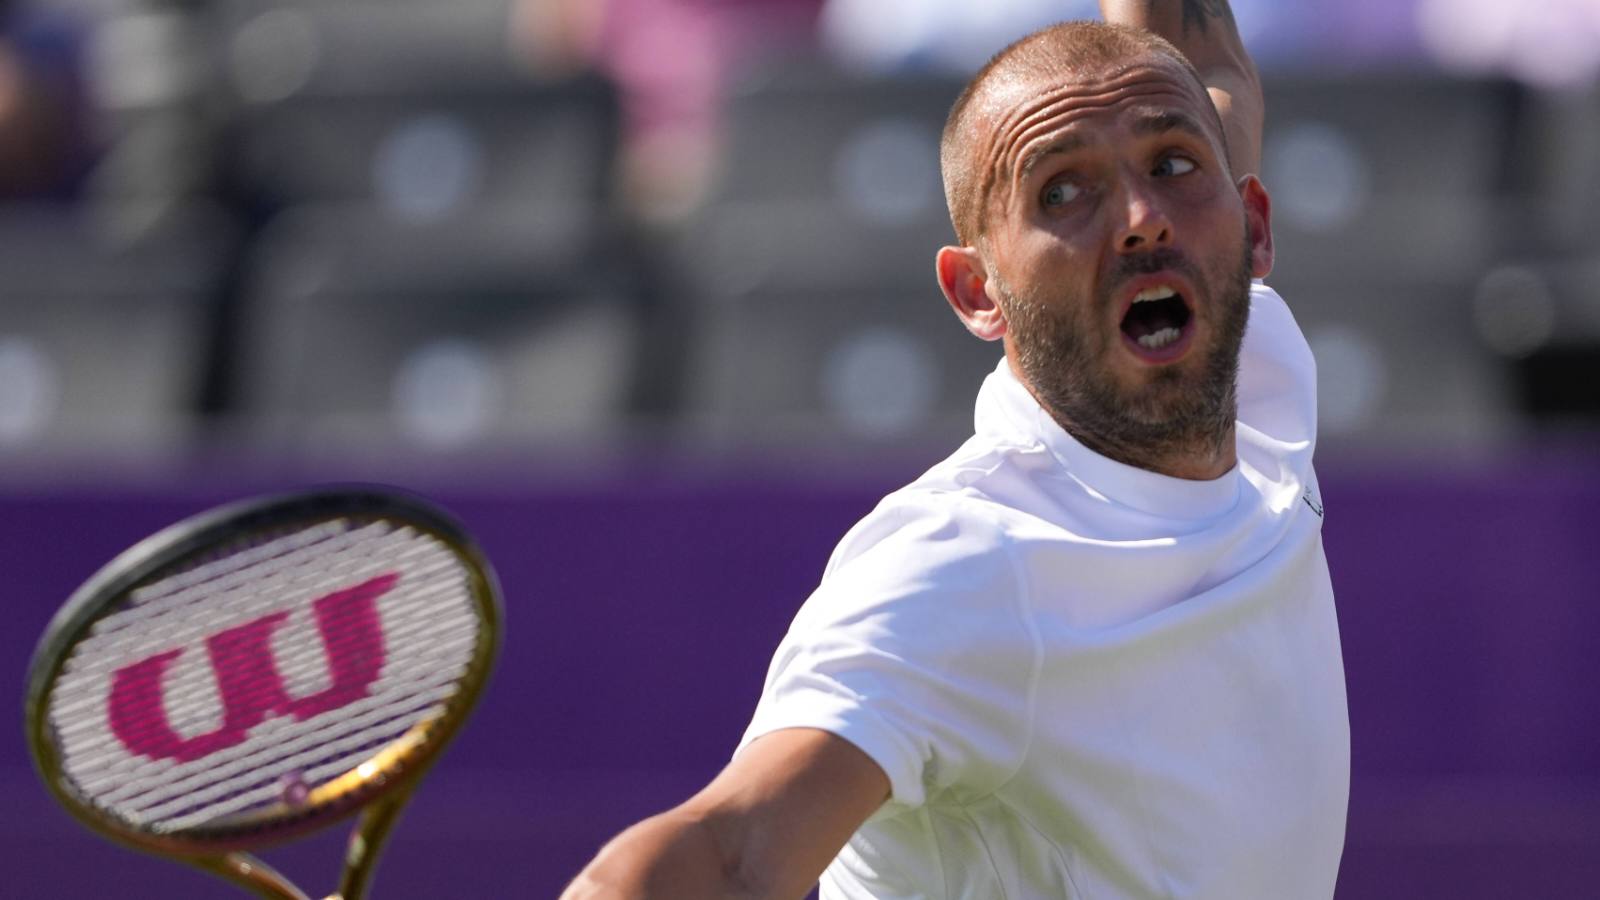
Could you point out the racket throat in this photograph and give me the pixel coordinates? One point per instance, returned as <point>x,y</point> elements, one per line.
<point>250,873</point>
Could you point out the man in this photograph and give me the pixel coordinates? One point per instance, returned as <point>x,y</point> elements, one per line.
<point>1093,653</point>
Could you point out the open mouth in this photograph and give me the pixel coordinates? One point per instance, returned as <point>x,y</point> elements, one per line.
<point>1157,324</point>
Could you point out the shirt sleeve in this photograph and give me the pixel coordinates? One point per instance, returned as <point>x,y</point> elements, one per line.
<point>919,649</point>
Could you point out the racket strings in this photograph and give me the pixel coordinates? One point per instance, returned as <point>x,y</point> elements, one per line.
<point>190,694</point>
<point>143,794</point>
<point>262,784</point>
<point>118,781</point>
<point>252,778</point>
<point>161,614</point>
<point>231,559</point>
<point>127,635</point>
<point>192,687</point>
<point>428,631</point>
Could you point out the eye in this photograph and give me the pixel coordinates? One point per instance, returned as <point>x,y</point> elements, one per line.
<point>1058,194</point>
<point>1175,165</point>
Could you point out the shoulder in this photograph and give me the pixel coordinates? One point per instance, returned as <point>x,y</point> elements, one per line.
<point>919,645</point>
<point>965,510</point>
<point>935,568</point>
<point>926,532</point>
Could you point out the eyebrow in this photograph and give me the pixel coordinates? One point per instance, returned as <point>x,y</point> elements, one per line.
<point>1071,143</point>
<point>1164,121</point>
<point>1155,122</point>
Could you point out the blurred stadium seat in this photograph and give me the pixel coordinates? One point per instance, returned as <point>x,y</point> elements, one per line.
<point>1545,319</point>
<point>815,326</point>
<point>1392,198</point>
<point>1400,362</point>
<point>809,277</point>
<point>103,335</point>
<point>363,330</point>
<point>806,132</point>
<point>1401,175</point>
<point>437,262</point>
<point>414,107</point>
<point>275,47</point>
<point>1560,142</point>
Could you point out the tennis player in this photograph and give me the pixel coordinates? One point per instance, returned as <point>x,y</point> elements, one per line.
<point>1094,652</point>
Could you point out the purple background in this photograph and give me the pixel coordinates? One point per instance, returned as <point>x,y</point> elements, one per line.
<point>641,610</point>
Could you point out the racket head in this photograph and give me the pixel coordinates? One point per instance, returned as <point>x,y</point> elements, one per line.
<point>262,670</point>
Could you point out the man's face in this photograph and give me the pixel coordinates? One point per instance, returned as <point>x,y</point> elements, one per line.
<point>1118,251</point>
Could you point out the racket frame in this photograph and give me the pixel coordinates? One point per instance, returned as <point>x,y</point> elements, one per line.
<point>379,787</point>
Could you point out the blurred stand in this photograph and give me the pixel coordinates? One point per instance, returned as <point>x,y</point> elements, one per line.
<point>672,60</point>
<point>103,337</point>
<point>820,321</point>
<point>1536,306</point>
<point>44,141</point>
<point>709,224</point>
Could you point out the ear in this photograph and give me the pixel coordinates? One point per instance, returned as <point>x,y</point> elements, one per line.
<point>1258,220</point>
<point>964,279</point>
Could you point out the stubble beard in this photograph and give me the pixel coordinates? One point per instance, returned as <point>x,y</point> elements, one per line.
<point>1182,413</point>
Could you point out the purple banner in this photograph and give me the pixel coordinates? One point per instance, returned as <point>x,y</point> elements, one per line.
<point>641,612</point>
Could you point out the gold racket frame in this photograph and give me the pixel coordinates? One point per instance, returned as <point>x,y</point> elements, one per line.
<point>380,786</point>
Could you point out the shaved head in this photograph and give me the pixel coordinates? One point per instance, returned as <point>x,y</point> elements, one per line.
<point>1070,51</point>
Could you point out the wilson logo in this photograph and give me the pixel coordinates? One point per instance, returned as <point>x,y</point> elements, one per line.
<point>248,680</point>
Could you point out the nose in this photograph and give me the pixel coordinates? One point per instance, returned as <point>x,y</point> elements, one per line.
<point>1147,225</point>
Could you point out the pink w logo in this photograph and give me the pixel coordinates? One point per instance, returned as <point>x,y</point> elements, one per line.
<point>248,680</point>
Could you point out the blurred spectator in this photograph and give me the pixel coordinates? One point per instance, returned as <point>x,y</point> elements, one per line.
<point>43,141</point>
<point>672,60</point>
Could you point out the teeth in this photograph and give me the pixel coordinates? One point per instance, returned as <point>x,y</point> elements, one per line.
<point>1155,340</point>
<point>1155,293</point>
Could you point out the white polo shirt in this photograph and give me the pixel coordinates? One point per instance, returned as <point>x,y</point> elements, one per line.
<point>1084,679</point>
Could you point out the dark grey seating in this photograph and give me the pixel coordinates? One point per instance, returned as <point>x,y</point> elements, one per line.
<point>104,329</point>
<point>1404,175</point>
<point>813,328</point>
<point>417,107</point>
<point>491,330</point>
<point>803,132</point>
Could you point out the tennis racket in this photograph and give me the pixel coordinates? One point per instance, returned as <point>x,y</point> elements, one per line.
<point>263,670</point>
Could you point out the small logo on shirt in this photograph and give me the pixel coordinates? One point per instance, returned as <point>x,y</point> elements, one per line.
<point>1312,501</point>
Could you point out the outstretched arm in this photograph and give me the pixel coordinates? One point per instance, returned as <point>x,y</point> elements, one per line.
<point>1205,31</point>
<point>764,828</point>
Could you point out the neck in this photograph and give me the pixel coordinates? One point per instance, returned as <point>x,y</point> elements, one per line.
<point>1200,457</point>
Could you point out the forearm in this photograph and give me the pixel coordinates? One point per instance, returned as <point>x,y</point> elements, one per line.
<point>1205,31</point>
<point>667,856</point>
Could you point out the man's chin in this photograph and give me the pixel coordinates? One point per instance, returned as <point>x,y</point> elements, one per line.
<point>1167,397</point>
<point>1151,384</point>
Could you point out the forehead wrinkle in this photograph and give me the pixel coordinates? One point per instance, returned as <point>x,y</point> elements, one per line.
<point>1049,122</point>
<point>1044,112</point>
<point>1059,108</point>
<point>1068,144</point>
<point>1063,113</point>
